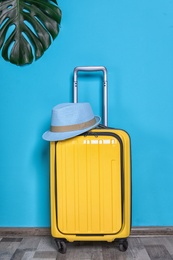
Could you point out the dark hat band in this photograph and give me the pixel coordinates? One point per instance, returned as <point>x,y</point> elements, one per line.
<point>75,127</point>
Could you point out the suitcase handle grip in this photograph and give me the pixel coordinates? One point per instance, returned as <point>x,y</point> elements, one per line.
<point>105,87</point>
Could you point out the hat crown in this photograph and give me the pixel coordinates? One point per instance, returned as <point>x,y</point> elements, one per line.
<point>69,120</point>
<point>71,113</point>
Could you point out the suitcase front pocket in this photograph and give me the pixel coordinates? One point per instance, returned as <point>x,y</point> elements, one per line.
<point>89,185</point>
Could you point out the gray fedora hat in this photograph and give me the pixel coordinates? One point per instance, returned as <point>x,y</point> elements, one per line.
<point>69,120</point>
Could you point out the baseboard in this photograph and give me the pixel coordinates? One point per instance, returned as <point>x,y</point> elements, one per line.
<point>152,231</point>
<point>21,232</point>
<point>135,231</point>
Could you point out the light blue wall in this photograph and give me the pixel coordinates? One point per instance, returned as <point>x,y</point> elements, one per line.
<point>134,40</point>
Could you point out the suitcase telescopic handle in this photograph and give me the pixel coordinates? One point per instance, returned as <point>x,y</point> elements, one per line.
<point>105,87</point>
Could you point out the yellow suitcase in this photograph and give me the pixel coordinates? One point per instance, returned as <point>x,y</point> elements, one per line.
<point>90,184</point>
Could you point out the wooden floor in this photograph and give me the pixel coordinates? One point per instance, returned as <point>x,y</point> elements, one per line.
<point>44,247</point>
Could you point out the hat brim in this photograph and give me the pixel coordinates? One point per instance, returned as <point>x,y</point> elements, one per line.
<point>59,136</point>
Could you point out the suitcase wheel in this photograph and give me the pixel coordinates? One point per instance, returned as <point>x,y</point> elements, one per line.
<point>62,247</point>
<point>123,245</point>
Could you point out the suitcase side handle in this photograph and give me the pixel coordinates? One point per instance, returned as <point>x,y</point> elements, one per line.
<point>105,87</point>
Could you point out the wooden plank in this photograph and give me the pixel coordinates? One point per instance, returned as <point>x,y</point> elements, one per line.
<point>110,251</point>
<point>158,252</point>
<point>167,241</point>
<point>137,249</point>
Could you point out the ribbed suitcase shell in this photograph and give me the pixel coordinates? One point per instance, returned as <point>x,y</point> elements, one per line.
<point>91,186</point>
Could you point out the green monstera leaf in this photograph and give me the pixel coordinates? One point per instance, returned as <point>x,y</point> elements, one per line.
<point>27,28</point>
